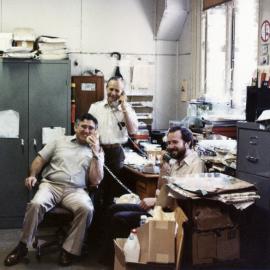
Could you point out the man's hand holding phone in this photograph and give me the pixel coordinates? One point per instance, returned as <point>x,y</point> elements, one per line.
<point>122,101</point>
<point>93,141</point>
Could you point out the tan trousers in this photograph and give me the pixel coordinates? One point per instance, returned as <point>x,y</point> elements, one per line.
<point>75,199</point>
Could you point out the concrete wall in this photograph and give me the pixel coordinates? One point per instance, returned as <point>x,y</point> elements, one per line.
<point>95,28</point>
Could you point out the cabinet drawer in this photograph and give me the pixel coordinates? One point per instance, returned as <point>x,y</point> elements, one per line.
<point>263,186</point>
<point>253,152</point>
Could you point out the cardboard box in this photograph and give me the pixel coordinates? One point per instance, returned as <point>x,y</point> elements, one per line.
<point>212,246</point>
<point>159,247</point>
<point>206,218</point>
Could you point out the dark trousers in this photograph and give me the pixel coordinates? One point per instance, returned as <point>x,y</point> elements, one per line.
<point>109,188</point>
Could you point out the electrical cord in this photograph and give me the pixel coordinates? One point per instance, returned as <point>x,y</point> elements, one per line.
<point>117,179</point>
<point>132,141</point>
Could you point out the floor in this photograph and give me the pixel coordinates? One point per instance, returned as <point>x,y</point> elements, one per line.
<point>9,238</point>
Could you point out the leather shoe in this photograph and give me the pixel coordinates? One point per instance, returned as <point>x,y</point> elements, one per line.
<point>16,255</point>
<point>65,258</point>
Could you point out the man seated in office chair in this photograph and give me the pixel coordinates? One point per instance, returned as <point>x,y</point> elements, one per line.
<point>69,163</point>
<point>184,160</point>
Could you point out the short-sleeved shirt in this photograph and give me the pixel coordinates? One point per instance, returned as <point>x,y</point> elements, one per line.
<point>68,162</point>
<point>108,119</point>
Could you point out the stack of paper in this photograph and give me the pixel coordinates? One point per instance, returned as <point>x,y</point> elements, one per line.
<point>52,48</point>
<point>19,52</point>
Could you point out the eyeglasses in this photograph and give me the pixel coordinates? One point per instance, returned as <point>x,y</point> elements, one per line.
<point>87,127</point>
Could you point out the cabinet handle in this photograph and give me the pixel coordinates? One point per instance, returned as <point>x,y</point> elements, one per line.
<point>253,140</point>
<point>22,144</point>
<point>35,144</point>
<point>252,159</point>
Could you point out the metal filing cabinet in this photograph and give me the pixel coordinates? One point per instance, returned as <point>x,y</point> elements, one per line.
<point>40,93</point>
<point>253,165</point>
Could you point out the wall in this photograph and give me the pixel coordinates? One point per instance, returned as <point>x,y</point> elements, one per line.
<point>184,72</point>
<point>95,28</point>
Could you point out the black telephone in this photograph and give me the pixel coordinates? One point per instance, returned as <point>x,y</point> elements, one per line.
<point>166,157</point>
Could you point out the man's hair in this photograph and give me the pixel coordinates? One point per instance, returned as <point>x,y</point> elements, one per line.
<point>185,132</point>
<point>116,78</point>
<point>86,116</point>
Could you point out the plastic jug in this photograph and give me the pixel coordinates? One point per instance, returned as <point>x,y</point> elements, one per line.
<point>132,247</point>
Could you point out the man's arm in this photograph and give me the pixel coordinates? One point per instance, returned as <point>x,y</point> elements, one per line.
<point>148,203</point>
<point>35,168</point>
<point>165,170</point>
<point>96,172</point>
<point>129,116</point>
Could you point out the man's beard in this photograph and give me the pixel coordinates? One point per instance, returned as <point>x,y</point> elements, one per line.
<point>178,154</point>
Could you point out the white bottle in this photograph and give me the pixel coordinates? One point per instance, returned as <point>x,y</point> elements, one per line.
<point>132,247</point>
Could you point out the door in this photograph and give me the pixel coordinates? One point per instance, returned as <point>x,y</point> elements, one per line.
<point>14,151</point>
<point>49,101</point>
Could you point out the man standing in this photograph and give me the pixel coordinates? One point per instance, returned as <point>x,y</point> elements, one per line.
<point>183,161</point>
<point>116,120</point>
<point>69,164</point>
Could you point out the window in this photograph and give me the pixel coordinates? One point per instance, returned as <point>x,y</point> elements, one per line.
<point>229,52</point>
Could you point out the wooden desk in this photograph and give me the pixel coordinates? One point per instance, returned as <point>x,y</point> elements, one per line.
<point>145,183</point>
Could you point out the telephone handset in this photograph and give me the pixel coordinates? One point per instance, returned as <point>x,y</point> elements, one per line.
<point>121,100</point>
<point>166,157</point>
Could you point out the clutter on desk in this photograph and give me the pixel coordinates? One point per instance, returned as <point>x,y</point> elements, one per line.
<point>215,186</point>
<point>194,123</point>
<point>199,107</point>
<point>153,151</point>
<point>142,135</point>
<point>134,159</point>
<point>142,164</point>
<point>219,152</point>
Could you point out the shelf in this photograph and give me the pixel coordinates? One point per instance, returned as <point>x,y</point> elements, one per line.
<point>144,92</point>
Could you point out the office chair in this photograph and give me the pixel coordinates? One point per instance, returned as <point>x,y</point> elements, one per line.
<point>57,222</point>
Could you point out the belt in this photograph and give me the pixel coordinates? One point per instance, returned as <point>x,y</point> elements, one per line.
<point>108,146</point>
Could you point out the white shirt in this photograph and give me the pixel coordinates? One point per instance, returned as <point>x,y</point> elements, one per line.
<point>108,119</point>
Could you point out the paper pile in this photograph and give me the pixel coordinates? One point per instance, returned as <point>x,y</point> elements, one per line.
<point>52,48</point>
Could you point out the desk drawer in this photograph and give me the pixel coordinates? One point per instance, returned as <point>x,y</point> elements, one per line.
<point>146,188</point>
<point>253,152</point>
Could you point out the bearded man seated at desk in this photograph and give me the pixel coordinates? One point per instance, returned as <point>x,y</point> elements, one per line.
<point>184,160</point>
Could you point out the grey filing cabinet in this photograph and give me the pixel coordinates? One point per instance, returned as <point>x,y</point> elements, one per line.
<point>253,165</point>
<point>40,92</point>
